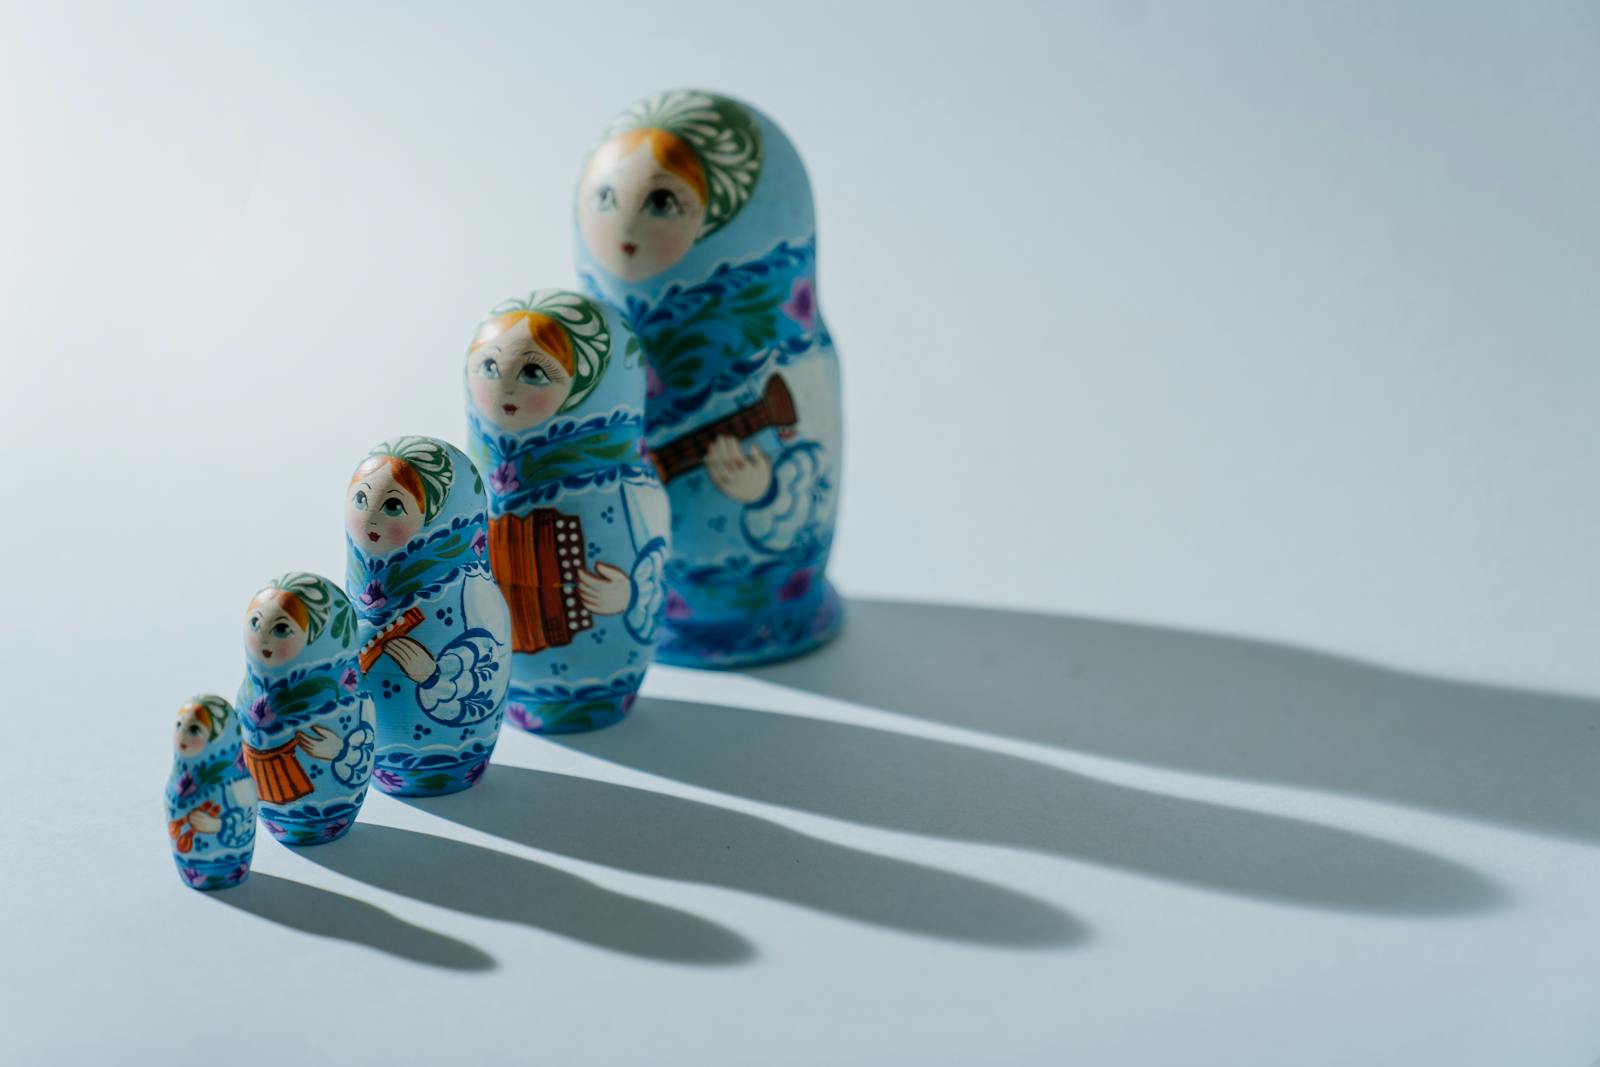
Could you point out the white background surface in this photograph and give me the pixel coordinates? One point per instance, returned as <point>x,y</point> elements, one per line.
<point>1265,320</point>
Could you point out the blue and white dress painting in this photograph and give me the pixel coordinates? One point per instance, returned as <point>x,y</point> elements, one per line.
<point>308,725</point>
<point>578,521</point>
<point>435,633</point>
<point>211,799</point>
<point>694,216</point>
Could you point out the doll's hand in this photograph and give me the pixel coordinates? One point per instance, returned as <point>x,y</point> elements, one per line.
<point>205,819</point>
<point>743,474</point>
<point>324,745</point>
<point>416,661</point>
<point>606,591</point>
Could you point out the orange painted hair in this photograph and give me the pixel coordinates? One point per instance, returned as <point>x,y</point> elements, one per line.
<point>404,475</point>
<point>202,713</point>
<point>547,334</point>
<point>287,601</point>
<point>670,150</point>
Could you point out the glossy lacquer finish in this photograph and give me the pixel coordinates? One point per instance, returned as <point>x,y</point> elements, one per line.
<point>434,631</point>
<point>694,217</point>
<point>578,522</point>
<point>308,725</point>
<point>211,800</point>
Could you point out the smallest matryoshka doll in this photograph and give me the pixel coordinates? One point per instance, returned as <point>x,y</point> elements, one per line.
<point>307,723</point>
<point>435,633</point>
<point>211,800</point>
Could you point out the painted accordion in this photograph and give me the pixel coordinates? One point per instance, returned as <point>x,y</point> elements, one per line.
<point>775,408</point>
<point>536,559</point>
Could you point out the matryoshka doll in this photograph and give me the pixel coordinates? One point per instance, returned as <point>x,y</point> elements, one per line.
<point>307,723</point>
<point>211,801</point>
<point>694,216</point>
<point>434,632</point>
<point>578,521</point>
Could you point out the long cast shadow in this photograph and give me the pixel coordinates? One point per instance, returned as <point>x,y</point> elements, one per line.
<point>902,782</point>
<point>334,915</point>
<point>673,837</point>
<point>497,885</point>
<point>1226,706</point>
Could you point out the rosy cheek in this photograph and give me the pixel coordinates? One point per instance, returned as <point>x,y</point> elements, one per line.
<point>669,248</point>
<point>397,532</point>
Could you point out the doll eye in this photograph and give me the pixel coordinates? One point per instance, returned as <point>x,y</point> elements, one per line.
<point>194,731</point>
<point>534,374</point>
<point>489,369</point>
<point>662,204</point>
<point>255,623</point>
<point>360,499</point>
<point>393,507</point>
<point>605,199</point>
<point>281,630</point>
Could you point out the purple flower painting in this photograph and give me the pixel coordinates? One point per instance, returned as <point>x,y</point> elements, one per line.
<point>260,713</point>
<point>520,716</point>
<point>475,771</point>
<point>503,479</point>
<point>334,829</point>
<point>387,780</point>
<point>373,598</point>
<point>653,386</point>
<point>677,607</point>
<point>193,876</point>
<point>795,586</point>
<point>480,542</point>
<point>185,784</point>
<point>350,680</point>
<point>802,303</point>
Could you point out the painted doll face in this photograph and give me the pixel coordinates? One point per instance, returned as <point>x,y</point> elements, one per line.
<point>189,733</point>
<point>637,217</point>
<point>271,635</point>
<point>380,515</point>
<point>514,382</point>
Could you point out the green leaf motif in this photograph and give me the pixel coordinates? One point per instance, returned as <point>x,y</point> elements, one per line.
<point>305,694</point>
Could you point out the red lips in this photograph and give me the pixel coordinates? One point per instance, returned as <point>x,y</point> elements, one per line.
<point>267,652</point>
<point>371,536</point>
<point>509,409</point>
<point>629,248</point>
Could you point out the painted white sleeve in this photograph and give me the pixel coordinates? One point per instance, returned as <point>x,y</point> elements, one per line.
<point>777,520</point>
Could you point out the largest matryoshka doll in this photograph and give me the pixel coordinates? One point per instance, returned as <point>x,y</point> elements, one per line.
<point>577,518</point>
<point>308,725</point>
<point>694,215</point>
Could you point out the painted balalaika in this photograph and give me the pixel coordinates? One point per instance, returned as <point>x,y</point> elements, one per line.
<point>694,213</point>
<point>537,558</point>
<point>775,410</point>
<point>578,520</point>
<point>434,629</point>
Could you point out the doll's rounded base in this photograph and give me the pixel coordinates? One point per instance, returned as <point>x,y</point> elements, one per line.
<point>209,875</point>
<point>303,833</point>
<point>788,631</point>
<point>569,716</point>
<point>431,780</point>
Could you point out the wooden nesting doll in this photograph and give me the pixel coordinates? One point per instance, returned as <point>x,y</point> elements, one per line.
<point>434,631</point>
<point>211,801</point>
<point>308,725</point>
<point>694,217</point>
<point>578,520</point>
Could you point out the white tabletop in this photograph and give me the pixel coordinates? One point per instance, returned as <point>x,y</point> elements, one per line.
<point>1158,327</point>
